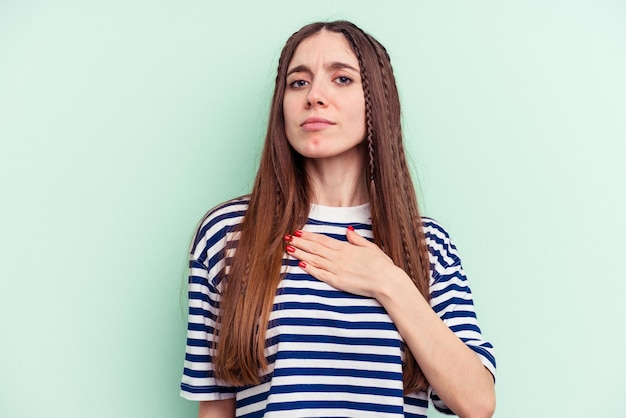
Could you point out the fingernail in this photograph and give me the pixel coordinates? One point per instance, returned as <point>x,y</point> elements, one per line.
<point>290,248</point>
<point>302,264</point>
<point>351,228</point>
<point>298,233</point>
<point>287,238</point>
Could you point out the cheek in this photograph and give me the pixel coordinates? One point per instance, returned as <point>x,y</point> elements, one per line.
<point>288,118</point>
<point>288,107</point>
<point>358,116</point>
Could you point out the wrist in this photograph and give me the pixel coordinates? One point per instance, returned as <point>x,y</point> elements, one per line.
<point>396,285</point>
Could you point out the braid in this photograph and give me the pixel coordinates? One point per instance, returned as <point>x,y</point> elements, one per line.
<point>404,183</point>
<point>423,261</point>
<point>368,109</point>
<point>370,131</point>
<point>405,247</point>
<point>278,205</point>
<point>246,275</point>
<point>381,64</point>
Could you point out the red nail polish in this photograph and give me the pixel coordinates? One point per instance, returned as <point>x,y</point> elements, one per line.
<point>290,248</point>
<point>302,264</point>
<point>287,238</point>
<point>298,233</point>
<point>351,228</point>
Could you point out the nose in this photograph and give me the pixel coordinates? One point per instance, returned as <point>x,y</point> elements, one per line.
<point>315,96</point>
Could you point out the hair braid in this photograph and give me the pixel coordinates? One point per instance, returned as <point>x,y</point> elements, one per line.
<point>370,132</point>
<point>381,64</point>
<point>423,261</point>
<point>408,218</point>
<point>404,182</point>
<point>368,107</point>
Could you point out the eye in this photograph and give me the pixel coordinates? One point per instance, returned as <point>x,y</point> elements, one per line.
<point>296,84</point>
<point>342,79</point>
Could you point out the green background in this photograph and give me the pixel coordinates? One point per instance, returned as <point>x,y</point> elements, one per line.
<point>122,122</point>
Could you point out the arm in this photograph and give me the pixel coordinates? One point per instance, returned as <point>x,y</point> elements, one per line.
<point>453,370</point>
<point>224,408</point>
<point>198,382</point>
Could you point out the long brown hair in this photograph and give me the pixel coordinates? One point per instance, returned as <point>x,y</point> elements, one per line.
<point>280,202</point>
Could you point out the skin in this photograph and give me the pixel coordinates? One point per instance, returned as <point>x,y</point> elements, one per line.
<point>324,81</point>
<point>334,161</point>
<point>217,409</point>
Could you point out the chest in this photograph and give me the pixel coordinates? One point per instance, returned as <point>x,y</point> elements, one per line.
<point>313,325</point>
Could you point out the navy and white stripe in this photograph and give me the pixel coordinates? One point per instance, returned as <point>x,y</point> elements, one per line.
<point>330,353</point>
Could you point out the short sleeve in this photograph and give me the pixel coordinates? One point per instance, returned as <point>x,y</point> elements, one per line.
<point>451,298</point>
<point>206,263</point>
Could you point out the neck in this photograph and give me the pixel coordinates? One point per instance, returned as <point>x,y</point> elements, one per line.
<point>337,182</point>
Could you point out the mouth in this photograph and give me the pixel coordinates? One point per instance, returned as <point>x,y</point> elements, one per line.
<point>315,124</point>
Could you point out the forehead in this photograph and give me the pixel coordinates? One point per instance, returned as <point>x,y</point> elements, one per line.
<point>324,47</point>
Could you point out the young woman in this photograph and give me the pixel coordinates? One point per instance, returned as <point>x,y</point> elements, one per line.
<point>324,292</point>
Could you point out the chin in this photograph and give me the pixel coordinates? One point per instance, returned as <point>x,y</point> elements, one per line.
<point>318,149</point>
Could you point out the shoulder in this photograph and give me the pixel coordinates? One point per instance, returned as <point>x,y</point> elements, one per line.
<point>440,246</point>
<point>219,221</point>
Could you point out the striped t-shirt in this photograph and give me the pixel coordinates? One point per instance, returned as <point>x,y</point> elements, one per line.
<point>330,353</point>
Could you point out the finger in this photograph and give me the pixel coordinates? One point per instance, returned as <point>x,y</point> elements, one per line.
<point>316,237</point>
<point>310,259</point>
<point>314,243</point>
<point>319,273</point>
<point>356,239</point>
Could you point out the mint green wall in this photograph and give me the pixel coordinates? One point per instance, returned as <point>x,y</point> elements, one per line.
<point>122,122</point>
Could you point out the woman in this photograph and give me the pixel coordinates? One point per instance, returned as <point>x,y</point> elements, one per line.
<point>333,296</point>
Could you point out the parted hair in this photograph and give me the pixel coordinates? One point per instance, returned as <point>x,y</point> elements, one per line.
<point>280,201</point>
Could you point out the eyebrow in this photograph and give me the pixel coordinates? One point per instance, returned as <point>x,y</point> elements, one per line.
<point>332,66</point>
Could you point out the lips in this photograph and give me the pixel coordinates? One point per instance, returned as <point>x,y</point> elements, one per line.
<point>316,123</point>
